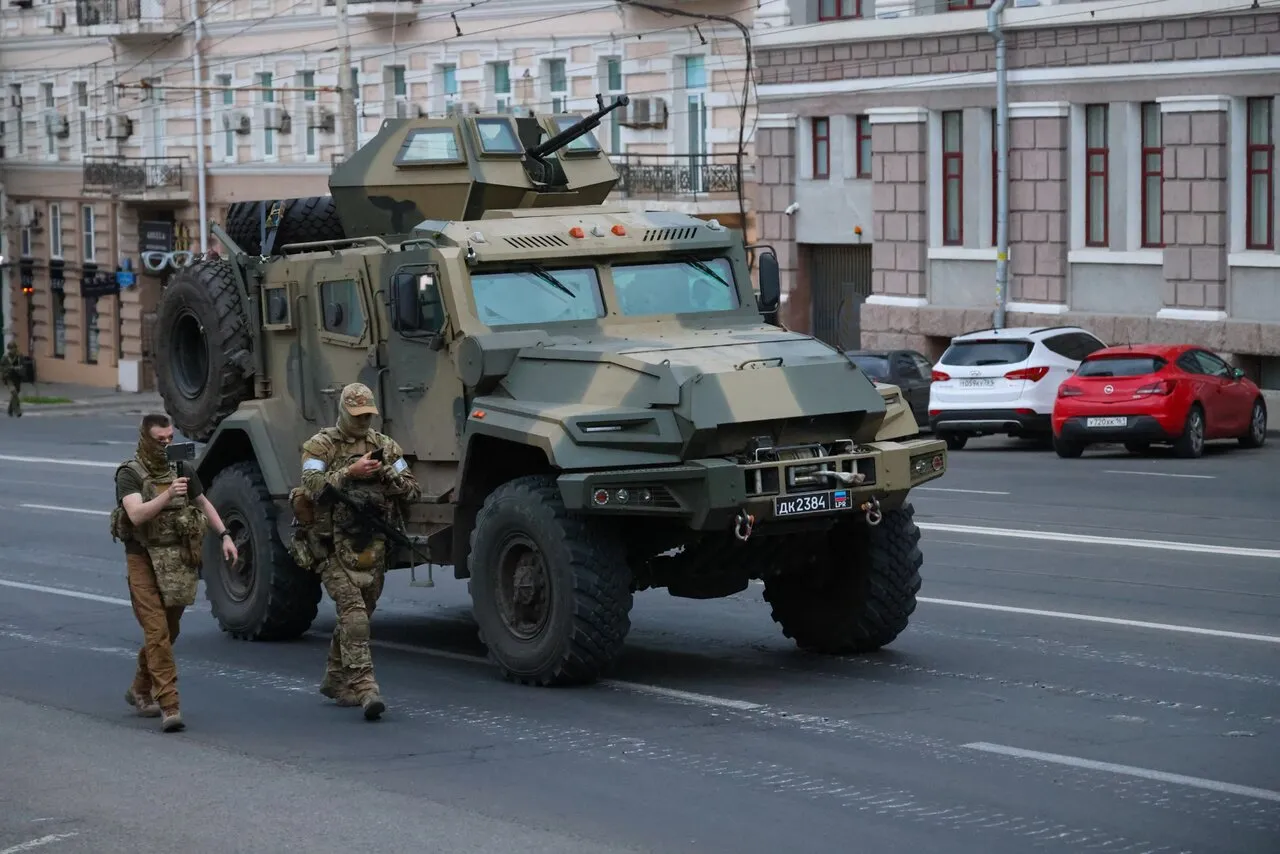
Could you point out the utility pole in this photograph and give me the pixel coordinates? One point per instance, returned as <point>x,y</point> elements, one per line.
<point>346,87</point>
<point>1002,163</point>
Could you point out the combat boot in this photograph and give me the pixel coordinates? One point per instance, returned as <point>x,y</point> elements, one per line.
<point>148,709</point>
<point>340,694</point>
<point>373,706</point>
<point>172,721</point>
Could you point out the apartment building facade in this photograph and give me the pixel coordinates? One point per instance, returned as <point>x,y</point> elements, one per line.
<point>101,134</point>
<point>1142,192</point>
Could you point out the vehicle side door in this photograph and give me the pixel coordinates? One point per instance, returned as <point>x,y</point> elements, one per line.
<point>1206,388</point>
<point>346,331</point>
<point>1233,400</point>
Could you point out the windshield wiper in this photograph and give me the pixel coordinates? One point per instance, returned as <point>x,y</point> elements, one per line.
<point>702,267</point>
<point>552,280</point>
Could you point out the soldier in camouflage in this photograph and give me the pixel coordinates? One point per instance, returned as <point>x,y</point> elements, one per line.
<point>161,517</point>
<point>333,540</point>
<point>11,375</point>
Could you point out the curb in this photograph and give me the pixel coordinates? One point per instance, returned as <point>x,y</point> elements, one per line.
<point>86,408</point>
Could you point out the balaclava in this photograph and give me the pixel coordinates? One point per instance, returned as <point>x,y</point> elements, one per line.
<point>151,454</point>
<point>357,401</point>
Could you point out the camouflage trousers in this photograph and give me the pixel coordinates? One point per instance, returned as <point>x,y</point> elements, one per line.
<point>350,666</point>
<point>15,399</point>
<point>156,674</point>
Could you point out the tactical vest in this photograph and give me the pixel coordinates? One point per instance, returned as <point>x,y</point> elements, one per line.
<point>179,524</point>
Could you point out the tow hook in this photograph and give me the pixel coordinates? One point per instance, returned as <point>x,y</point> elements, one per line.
<point>743,525</point>
<point>872,509</point>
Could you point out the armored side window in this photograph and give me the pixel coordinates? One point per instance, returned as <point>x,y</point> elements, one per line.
<point>276,308</point>
<point>343,313</point>
<point>498,136</point>
<point>586,143</point>
<point>429,146</point>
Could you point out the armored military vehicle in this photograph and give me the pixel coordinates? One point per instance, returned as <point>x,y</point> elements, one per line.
<point>594,399</point>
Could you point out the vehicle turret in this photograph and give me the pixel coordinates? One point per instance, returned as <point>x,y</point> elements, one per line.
<point>458,167</point>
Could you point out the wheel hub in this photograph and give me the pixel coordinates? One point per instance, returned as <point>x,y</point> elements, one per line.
<point>523,590</point>
<point>238,579</point>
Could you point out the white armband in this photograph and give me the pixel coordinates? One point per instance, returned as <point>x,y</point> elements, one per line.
<point>314,465</point>
<point>400,466</point>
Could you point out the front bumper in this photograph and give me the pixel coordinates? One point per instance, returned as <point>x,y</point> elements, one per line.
<point>1137,428</point>
<point>711,494</point>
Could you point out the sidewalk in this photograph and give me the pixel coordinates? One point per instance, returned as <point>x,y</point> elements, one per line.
<point>72,399</point>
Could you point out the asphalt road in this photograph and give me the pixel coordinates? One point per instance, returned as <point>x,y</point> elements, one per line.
<point>1115,693</point>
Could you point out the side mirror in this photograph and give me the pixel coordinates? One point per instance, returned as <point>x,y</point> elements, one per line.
<point>1237,373</point>
<point>770,287</point>
<point>405,311</point>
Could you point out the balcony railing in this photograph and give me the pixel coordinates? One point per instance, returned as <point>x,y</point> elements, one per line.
<point>95,13</point>
<point>133,176</point>
<point>676,176</point>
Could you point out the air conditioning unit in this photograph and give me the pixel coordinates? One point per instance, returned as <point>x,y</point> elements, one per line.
<point>275,117</point>
<point>56,124</point>
<point>238,121</point>
<point>118,126</point>
<point>320,117</point>
<point>26,215</point>
<point>55,19</point>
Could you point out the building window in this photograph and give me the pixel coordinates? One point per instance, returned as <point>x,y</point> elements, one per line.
<point>228,101</point>
<point>558,85</point>
<point>995,177</point>
<point>863,126</point>
<point>55,231</point>
<point>821,148</point>
<point>834,10</point>
<point>952,178</point>
<point>501,86</point>
<point>1152,178</point>
<point>267,96</point>
<point>1095,172</point>
<point>88,237</point>
<point>59,323</point>
<point>1260,181</point>
<point>959,5</point>
<point>309,97</point>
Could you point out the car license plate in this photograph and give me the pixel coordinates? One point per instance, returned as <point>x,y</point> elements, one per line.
<point>814,502</point>
<point>1106,422</point>
<point>983,383</point>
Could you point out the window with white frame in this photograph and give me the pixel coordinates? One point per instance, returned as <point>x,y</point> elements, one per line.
<point>50,105</point>
<point>501,74</point>
<point>228,105</point>
<point>88,234</point>
<point>55,231</point>
<point>82,117</point>
<point>613,85</point>
<point>952,178</point>
<point>449,87</point>
<point>557,85</point>
<point>1152,200</point>
<point>395,91</point>
<point>25,247</point>
<point>15,93</point>
<point>308,79</point>
<point>1260,186</point>
<point>267,96</point>
<point>1096,175</point>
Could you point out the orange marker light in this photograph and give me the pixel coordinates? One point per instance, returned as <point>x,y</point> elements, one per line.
<point>477,413</point>
<point>618,230</point>
<point>577,231</point>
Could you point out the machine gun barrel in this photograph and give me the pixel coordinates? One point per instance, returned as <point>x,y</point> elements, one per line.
<point>569,134</point>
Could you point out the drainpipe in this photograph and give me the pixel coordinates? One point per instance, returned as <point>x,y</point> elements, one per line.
<point>1002,162</point>
<point>196,61</point>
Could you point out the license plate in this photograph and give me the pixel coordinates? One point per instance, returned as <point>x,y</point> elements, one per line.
<point>814,502</point>
<point>1106,422</point>
<point>977,383</point>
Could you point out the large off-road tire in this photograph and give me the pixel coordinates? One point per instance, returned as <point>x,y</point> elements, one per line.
<point>305,220</point>
<point>203,348</point>
<point>551,592</point>
<point>265,596</point>
<point>855,592</point>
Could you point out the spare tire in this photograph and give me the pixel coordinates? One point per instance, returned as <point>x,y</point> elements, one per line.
<point>203,348</point>
<point>305,220</point>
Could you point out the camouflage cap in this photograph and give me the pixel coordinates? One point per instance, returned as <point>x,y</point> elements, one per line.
<point>357,399</point>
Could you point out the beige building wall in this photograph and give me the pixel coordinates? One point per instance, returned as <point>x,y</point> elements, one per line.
<point>100,113</point>
<point>1141,202</point>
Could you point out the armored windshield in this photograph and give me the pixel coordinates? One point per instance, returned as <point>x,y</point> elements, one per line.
<point>675,287</point>
<point>537,296</point>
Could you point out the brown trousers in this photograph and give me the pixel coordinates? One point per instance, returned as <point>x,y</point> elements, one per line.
<point>157,674</point>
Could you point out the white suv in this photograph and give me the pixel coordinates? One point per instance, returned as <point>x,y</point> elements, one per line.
<point>1004,381</point>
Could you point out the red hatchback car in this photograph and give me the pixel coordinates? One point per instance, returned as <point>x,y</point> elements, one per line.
<point>1167,393</point>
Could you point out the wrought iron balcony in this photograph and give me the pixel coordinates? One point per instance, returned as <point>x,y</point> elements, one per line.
<point>678,177</point>
<point>136,177</point>
<point>127,17</point>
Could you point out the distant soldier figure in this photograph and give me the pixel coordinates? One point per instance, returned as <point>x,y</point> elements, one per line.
<point>11,375</point>
<point>161,516</point>
<point>349,554</point>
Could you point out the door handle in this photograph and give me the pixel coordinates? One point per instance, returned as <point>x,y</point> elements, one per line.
<point>331,390</point>
<point>417,388</point>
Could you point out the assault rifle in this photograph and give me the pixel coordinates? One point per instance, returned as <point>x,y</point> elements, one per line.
<point>368,515</point>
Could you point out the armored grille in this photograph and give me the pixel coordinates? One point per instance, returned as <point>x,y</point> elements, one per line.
<point>536,241</point>
<point>682,233</point>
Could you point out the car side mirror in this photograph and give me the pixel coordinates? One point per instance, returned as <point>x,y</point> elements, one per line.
<point>770,287</point>
<point>1237,373</point>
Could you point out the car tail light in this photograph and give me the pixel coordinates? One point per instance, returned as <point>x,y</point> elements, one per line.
<point>935,411</point>
<point>1160,387</point>
<point>1032,374</point>
<point>1065,390</point>
<point>940,377</point>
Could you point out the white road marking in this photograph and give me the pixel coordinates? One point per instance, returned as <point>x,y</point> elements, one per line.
<point>1130,770</point>
<point>969,491</point>
<point>1090,539</point>
<point>66,509</point>
<point>59,461</point>
<point>62,591</point>
<point>37,843</point>
<point>1092,618</point>
<point>1161,474</point>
